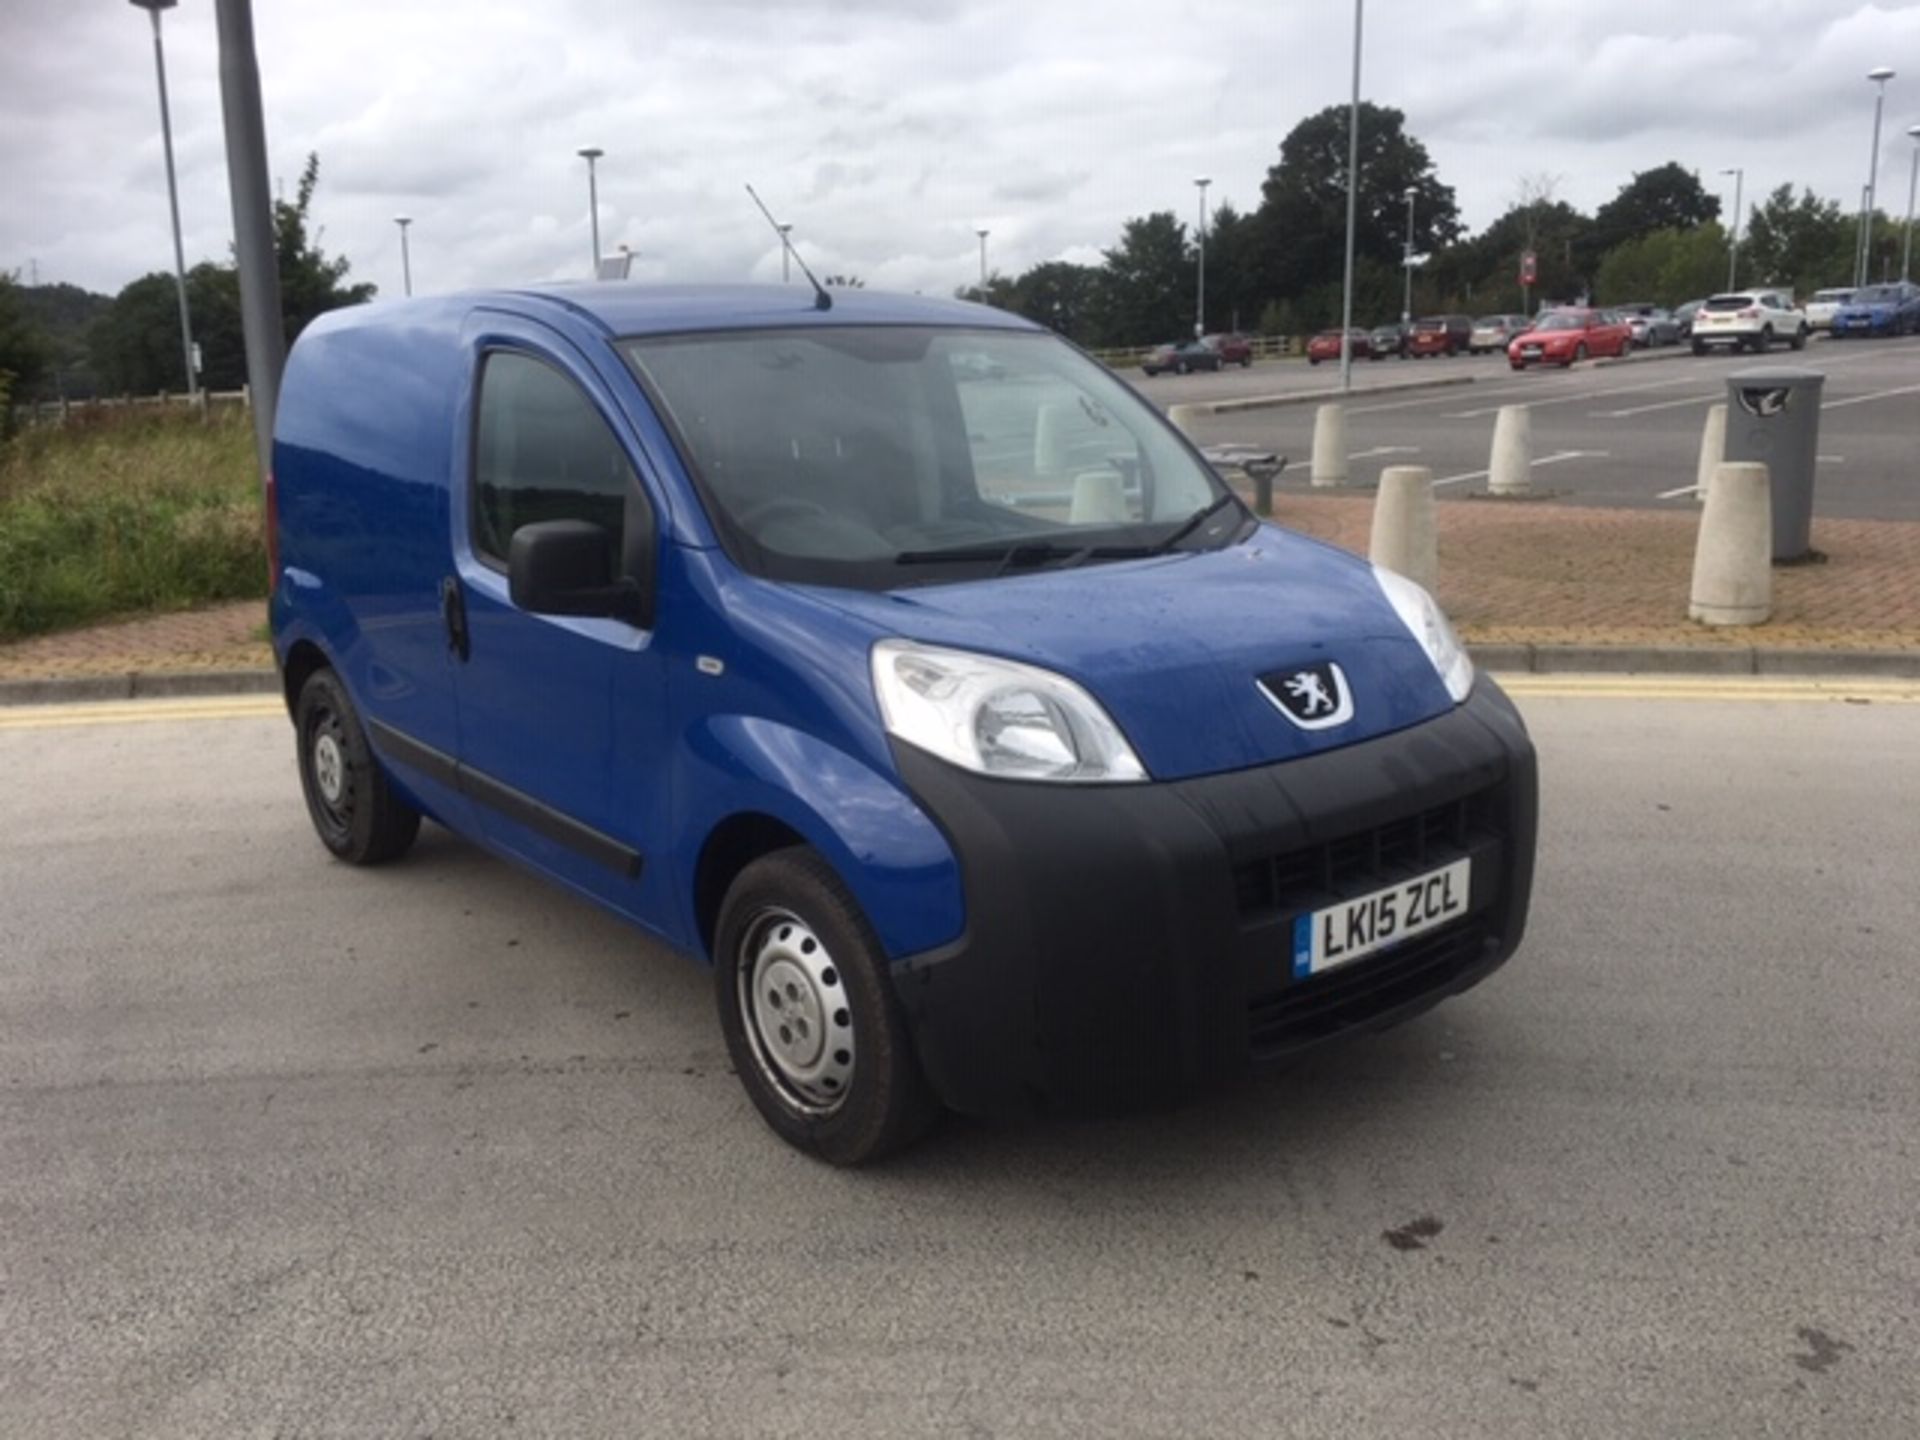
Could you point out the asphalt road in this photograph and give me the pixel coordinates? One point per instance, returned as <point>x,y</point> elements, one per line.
<point>1614,435</point>
<point>291,1149</point>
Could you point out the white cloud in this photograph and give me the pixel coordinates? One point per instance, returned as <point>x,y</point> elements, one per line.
<point>887,130</point>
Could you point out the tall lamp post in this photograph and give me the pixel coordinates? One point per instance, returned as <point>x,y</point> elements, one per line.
<point>1913,178</point>
<point>786,252</point>
<point>1201,183</point>
<point>1406,260</point>
<point>590,154</point>
<point>983,262</point>
<point>406,260</point>
<point>153,9</point>
<point>1879,75</point>
<point>1733,241</point>
<point>1353,200</point>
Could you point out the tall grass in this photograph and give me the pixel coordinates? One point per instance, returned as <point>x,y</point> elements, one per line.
<point>127,512</point>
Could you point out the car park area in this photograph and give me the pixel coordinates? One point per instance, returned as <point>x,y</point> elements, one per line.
<point>1607,434</point>
<point>327,1157</point>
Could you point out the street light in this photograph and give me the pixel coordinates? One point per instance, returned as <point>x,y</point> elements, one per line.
<point>406,261</point>
<point>786,252</point>
<point>153,8</point>
<point>1353,199</point>
<point>590,154</point>
<point>1406,302</point>
<point>1733,244</point>
<point>1879,75</point>
<point>1913,178</point>
<point>983,262</point>
<point>1200,295</point>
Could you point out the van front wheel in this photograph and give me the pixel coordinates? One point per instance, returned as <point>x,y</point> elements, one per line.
<point>810,1017</point>
<point>353,808</point>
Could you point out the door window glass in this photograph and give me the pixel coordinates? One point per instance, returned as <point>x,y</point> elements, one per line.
<point>542,452</point>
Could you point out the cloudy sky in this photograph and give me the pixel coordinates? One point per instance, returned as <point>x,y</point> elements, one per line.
<point>888,130</point>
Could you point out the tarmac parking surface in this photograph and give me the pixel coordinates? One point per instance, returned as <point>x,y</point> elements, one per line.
<point>1611,435</point>
<point>298,1149</point>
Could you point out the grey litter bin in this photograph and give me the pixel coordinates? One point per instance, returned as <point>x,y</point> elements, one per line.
<point>1773,415</point>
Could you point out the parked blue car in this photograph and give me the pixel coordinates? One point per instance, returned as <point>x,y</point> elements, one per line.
<point>900,662</point>
<point>1880,310</point>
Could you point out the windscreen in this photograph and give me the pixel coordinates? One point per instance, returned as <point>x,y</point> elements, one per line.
<point>880,455</point>
<point>1877,295</point>
<point>1562,320</point>
<point>1721,303</point>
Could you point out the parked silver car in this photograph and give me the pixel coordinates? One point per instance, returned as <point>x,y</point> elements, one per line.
<point>1652,326</point>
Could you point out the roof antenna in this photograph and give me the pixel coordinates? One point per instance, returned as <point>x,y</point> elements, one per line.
<point>821,299</point>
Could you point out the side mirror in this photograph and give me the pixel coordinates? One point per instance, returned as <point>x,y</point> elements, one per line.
<point>565,567</point>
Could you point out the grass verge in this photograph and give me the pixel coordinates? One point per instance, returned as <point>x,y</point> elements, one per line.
<point>130,512</point>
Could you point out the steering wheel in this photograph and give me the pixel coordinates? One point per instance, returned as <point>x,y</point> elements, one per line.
<point>757,516</point>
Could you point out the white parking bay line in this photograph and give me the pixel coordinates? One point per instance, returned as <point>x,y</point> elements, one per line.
<point>1582,393</point>
<point>1379,450</point>
<point>1877,395</point>
<point>1676,493</point>
<point>1649,409</point>
<point>1553,459</point>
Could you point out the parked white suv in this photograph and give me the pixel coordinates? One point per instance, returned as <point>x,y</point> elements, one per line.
<point>1821,309</point>
<point>1749,319</point>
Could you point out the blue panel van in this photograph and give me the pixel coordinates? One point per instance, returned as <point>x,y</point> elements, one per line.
<point>900,662</point>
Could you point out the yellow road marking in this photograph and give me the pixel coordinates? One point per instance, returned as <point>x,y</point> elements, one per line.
<point>136,712</point>
<point>1768,688</point>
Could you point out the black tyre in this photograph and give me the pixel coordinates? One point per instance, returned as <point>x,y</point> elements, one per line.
<point>1763,342</point>
<point>1699,347</point>
<point>353,807</point>
<point>1799,341</point>
<point>810,1016</point>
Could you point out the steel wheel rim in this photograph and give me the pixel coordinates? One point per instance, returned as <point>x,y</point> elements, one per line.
<point>332,803</point>
<point>796,1012</point>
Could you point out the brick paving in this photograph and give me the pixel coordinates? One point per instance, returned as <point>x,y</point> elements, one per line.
<point>1511,572</point>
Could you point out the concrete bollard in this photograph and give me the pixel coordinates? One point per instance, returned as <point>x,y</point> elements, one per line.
<point>1098,498</point>
<point>1510,471</point>
<point>1182,418</point>
<point>1733,557</point>
<point>1713,449</point>
<point>1330,445</point>
<point>1404,538</point>
<point>1050,430</point>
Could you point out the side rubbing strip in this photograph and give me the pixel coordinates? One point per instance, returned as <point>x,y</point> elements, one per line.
<point>516,805</point>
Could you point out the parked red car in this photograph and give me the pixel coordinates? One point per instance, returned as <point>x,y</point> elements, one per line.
<point>1440,335</point>
<point>1560,337</point>
<point>1326,346</point>
<point>1232,349</point>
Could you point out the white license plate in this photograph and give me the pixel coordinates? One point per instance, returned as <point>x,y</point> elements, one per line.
<point>1531,352</point>
<point>1353,928</point>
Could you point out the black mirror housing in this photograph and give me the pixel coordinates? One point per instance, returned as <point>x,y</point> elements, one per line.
<point>565,567</point>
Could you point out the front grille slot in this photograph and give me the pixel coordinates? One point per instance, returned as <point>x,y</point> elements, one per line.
<point>1365,859</point>
<point>1314,1009</point>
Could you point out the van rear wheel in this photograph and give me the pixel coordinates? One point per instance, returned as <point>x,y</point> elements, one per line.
<point>353,807</point>
<point>809,1014</point>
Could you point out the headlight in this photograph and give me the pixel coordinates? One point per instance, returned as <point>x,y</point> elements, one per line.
<point>1427,623</point>
<point>998,717</point>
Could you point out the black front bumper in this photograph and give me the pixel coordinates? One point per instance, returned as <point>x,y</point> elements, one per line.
<point>1131,943</point>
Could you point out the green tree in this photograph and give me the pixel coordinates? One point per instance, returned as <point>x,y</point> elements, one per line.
<point>1062,296</point>
<point>1666,197</point>
<point>24,348</point>
<point>1808,243</point>
<point>135,344</point>
<point>1146,297</point>
<point>1233,270</point>
<point>1302,219</point>
<point>310,282</point>
<point>1667,267</point>
<point>1483,273</point>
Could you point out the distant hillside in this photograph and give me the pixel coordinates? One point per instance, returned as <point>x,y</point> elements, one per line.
<point>64,313</point>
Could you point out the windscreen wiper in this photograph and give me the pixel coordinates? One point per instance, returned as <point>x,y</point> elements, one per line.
<point>1192,523</point>
<point>1021,552</point>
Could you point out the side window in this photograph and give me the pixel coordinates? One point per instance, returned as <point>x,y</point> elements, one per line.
<point>542,452</point>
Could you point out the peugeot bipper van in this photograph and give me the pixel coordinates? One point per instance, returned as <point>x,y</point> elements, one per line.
<point>897,660</point>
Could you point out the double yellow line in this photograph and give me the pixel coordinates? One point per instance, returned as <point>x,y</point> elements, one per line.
<point>140,712</point>
<point>1772,689</point>
<point>1790,689</point>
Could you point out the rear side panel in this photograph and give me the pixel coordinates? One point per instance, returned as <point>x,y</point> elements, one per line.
<point>361,463</point>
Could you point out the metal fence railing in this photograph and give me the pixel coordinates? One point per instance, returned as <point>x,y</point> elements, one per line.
<point>58,412</point>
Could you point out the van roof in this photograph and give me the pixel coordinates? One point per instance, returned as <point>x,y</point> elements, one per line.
<point>622,308</point>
